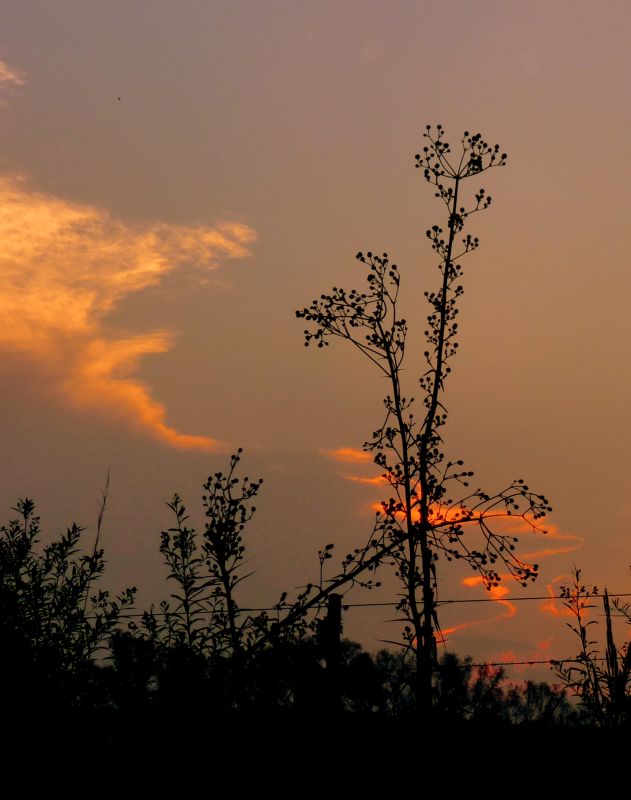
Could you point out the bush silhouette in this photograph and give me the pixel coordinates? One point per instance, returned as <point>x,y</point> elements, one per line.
<point>51,626</point>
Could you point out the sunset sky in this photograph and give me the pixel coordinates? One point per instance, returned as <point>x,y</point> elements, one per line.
<point>176,179</point>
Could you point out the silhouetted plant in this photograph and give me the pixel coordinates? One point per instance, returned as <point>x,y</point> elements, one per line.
<point>201,640</point>
<point>131,673</point>
<point>423,520</point>
<point>452,684</point>
<point>202,625</point>
<point>486,693</point>
<point>397,676</point>
<point>602,683</point>
<point>51,627</point>
<point>201,653</point>
<point>539,702</point>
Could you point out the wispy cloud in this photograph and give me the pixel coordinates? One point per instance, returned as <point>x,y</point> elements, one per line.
<point>10,81</point>
<point>9,76</point>
<point>348,455</point>
<point>379,480</point>
<point>552,543</point>
<point>497,593</point>
<point>64,267</point>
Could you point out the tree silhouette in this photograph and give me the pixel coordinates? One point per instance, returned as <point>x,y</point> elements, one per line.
<point>423,519</point>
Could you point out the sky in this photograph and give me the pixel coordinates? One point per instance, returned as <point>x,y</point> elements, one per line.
<point>176,179</point>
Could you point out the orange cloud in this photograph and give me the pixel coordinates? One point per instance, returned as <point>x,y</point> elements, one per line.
<point>570,542</point>
<point>349,455</point>
<point>378,481</point>
<point>507,524</point>
<point>64,267</point>
<point>10,81</point>
<point>497,593</point>
<point>519,662</point>
<point>10,77</point>
<point>552,606</point>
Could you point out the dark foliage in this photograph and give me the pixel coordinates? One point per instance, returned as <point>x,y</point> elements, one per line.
<point>601,682</point>
<point>51,626</point>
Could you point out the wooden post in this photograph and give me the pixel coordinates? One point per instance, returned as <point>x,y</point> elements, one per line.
<point>332,650</point>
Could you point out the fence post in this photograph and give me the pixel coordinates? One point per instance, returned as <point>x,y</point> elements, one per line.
<point>332,651</point>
